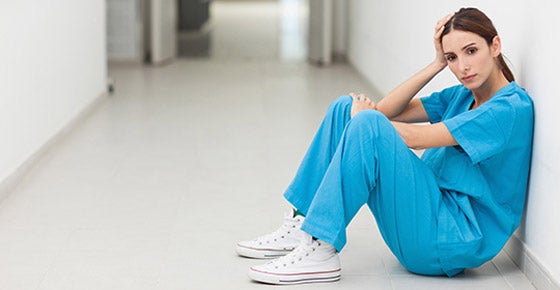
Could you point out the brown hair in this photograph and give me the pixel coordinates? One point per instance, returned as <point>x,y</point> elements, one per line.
<point>475,21</point>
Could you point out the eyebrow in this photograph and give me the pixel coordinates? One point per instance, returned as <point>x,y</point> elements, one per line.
<point>464,47</point>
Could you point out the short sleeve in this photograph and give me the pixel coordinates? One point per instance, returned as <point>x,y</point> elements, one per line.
<point>485,131</point>
<point>437,103</point>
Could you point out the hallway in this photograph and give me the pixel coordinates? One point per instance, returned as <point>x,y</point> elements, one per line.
<point>153,189</point>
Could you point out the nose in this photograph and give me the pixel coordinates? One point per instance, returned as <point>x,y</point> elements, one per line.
<point>464,66</point>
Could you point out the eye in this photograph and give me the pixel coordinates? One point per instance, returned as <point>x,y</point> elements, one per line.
<point>450,57</point>
<point>472,50</point>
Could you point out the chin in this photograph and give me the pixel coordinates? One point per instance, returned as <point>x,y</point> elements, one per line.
<point>471,86</point>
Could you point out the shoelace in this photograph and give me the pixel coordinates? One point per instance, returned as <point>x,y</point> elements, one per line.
<point>299,253</point>
<point>285,229</point>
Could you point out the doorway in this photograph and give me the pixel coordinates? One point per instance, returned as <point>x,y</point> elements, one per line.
<point>249,30</point>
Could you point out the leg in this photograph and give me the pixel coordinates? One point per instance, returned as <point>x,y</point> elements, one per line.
<point>302,190</point>
<point>373,165</point>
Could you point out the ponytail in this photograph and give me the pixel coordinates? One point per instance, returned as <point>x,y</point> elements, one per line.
<point>505,68</point>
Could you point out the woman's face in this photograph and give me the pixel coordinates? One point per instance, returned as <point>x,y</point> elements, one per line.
<point>469,57</point>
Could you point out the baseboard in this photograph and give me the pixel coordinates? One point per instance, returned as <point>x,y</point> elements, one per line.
<point>9,183</point>
<point>530,265</point>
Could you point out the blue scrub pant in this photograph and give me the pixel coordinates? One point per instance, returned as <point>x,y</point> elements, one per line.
<point>351,162</point>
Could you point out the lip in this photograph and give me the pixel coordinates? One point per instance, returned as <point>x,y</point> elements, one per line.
<point>468,78</point>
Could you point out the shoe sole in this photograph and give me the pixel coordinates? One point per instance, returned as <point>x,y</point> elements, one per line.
<point>260,253</point>
<point>294,278</point>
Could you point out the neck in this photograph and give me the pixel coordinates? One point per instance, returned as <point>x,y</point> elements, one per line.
<point>489,88</point>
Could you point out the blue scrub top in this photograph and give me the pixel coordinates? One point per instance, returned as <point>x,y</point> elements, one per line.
<point>483,180</point>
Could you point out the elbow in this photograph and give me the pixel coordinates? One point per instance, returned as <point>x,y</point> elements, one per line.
<point>416,146</point>
<point>411,137</point>
<point>413,143</point>
<point>383,110</point>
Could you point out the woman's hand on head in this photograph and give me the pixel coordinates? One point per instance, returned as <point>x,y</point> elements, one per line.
<point>440,57</point>
<point>359,103</point>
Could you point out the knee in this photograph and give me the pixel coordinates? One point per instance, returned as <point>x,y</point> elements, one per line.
<point>343,100</point>
<point>342,103</point>
<point>371,121</point>
<point>369,117</point>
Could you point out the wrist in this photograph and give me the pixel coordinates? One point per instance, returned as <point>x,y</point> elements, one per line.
<point>438,65</point>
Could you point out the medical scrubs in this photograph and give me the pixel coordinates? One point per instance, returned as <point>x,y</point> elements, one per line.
<point>451,209</point>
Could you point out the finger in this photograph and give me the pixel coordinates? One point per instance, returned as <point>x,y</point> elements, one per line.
<point>441,23</point>
<point>439,33</point>
<point>440,27</point>
<point>445,21</point>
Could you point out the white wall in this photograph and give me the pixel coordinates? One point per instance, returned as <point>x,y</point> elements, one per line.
<point>390,40</point>
<point>163,30</point>
<point>340,28</point>
<point>125,30</point>
<point>52,66</point>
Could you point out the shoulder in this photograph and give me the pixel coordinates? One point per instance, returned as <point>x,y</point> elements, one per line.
<point>513,92</point>
<point>513,98</point>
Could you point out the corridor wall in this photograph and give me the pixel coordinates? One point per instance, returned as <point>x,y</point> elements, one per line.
<point>52,67</point>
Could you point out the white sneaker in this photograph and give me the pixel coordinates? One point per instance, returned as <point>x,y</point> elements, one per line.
<point>276,244</point>
<point>311,262</point>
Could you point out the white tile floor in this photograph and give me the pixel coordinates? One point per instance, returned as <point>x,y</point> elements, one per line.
<point>154,188</point>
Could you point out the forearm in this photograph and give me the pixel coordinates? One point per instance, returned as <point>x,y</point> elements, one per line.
<point>396,101</point>
<point>425,136</point>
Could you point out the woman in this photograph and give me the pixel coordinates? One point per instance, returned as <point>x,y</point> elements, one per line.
<point>451,209</point>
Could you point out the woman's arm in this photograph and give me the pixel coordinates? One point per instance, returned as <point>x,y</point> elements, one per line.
<point>397,105</point>
<point>400,107</point>
<point>425,136</point>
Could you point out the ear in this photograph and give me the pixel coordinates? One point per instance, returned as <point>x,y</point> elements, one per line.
<point>496,47</point>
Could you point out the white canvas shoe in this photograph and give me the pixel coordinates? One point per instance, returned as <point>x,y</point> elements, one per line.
<point>313,261</point>
<point>276,244</point>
